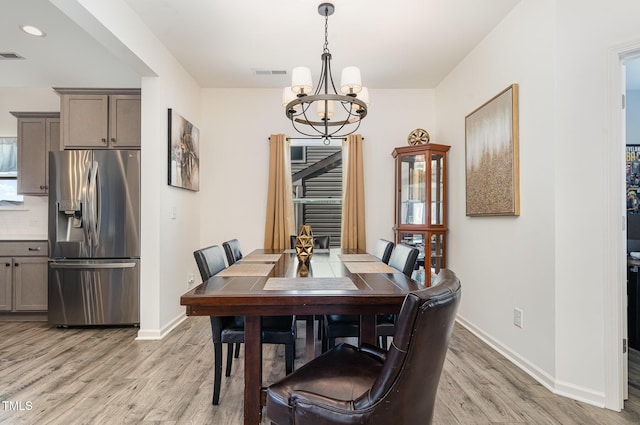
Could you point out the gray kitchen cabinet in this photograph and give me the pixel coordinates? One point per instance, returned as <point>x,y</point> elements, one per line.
<point>38,133</point>
<point>6,284</point>
<point>100,118</point>
<point>30,283</point>
<point>23,280</point>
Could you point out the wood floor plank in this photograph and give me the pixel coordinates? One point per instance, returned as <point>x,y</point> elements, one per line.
<point>97,376</point>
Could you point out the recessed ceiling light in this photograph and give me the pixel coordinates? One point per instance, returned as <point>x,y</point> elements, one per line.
<point>30,29</point>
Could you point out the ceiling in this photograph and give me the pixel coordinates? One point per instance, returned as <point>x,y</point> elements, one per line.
<point>221,43</point>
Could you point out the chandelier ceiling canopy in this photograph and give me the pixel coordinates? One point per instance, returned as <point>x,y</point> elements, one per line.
<point>325,112</point>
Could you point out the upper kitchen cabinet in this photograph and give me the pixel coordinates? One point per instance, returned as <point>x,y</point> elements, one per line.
<point>100,118</point>
<point>38,133</point>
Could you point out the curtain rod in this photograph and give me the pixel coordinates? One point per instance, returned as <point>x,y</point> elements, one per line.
<point>313,138</point>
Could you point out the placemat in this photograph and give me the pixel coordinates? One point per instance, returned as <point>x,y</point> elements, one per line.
<point>309,284</point>
<point>247,269</point>
<point>357,257</point>
<point>266,258</point>
<point>370,267</point>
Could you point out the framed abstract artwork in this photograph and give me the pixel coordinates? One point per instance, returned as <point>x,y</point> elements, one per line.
<point>184,153</point>
<point>492,173</point>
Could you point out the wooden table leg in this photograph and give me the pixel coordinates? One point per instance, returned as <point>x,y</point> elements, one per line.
<point>310,338</point>
<point>368,329</point>
<point>252,370</point>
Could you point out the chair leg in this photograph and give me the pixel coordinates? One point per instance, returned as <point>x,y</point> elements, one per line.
<point>289,354</point>
<point>229,359</point>
<point>237,353</point>
<point>383,342</point>
<point>217,371</point>
<point>320,327</point>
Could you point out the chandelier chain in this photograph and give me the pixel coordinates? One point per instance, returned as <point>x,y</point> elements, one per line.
<point>326,30</point>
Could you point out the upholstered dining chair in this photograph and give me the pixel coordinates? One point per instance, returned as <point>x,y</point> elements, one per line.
<point>367,385</point>
<point>230,329</point>
<point>319,241</point>
<point>403,258</point>
<point>232,251</point>
<point>383,250</point>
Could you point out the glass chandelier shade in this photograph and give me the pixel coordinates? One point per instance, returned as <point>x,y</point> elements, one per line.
<point>338,113</point>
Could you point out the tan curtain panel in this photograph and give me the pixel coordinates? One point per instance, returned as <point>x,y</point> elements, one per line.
<point>279,222</point>
<point>353,227</point>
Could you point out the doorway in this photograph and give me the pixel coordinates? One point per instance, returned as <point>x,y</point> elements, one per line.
<point>631,132</point>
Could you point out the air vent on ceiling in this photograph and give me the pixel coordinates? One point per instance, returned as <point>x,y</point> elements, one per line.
<point>269,72</point>
<point>10,55</point>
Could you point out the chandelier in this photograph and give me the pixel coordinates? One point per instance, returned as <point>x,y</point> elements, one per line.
<point>336,114</point>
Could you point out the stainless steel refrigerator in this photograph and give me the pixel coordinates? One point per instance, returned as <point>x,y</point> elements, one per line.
<point>94,237</point>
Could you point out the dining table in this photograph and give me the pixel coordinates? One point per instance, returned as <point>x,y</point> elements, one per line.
<point>275,283</point>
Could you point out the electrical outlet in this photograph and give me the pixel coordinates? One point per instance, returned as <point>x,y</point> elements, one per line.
<point>517,317</point>
<point>191,279</point>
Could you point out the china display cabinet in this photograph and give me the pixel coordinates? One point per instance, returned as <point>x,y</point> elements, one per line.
<point>421,201</point>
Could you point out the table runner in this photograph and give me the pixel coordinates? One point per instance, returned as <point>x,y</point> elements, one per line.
<point>247,269</point>
<point>370,267</point>
<point>267,258</point>
<point>309,283</point>
<point>346,258</point>
<point>318,250</point>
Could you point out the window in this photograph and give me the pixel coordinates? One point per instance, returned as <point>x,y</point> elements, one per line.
<point>317,186</point>
<point>298,154</point>
<point>9,172</point>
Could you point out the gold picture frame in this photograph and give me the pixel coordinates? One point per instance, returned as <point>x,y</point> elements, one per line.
<point>491,157</point>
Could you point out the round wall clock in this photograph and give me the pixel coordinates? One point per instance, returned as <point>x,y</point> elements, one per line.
<point>418,137</point>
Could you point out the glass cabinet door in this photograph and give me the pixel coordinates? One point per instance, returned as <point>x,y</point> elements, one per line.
<point>437,189</point>
<point>437,245</point>
<point>413,190</point>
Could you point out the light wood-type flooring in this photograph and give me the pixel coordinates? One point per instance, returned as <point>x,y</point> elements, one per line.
<point>104,376</point>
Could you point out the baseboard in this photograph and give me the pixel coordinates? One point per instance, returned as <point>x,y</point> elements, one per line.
<point>564,389</point>
<point>155,334</point>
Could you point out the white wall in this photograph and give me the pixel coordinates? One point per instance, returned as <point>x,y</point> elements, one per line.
<point>235,158</point>
<point>584,40</point>
<point>548,261</point>
<point>507,262</point>
<point>29,222</point>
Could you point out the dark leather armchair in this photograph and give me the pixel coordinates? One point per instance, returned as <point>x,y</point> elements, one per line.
<point>383,250</point>
<point>367,385</point>
<point>403,258</point>
<point>230,329</point>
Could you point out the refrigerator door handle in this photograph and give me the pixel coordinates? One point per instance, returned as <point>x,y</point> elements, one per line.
<point>97,202</point>
<point>86,211</point>
<point>92,199</point>
<point>55,265</point>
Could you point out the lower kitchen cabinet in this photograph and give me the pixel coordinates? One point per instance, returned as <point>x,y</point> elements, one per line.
<point>23,280</point>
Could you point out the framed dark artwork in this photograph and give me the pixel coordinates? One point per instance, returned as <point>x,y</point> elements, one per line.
<point>184,153</point>
<point>492,170</point>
